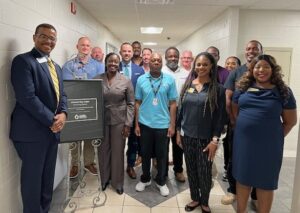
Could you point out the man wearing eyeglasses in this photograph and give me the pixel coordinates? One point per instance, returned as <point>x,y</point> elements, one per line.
<point>83,67</point>
<point>38,117</point>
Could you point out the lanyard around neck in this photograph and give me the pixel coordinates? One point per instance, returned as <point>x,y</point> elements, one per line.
<point>155,90</point>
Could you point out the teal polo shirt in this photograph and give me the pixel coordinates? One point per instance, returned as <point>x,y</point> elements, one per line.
<point>154,110</point>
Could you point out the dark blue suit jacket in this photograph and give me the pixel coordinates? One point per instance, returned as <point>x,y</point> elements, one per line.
<point>136,72</point>
<point>36,102</point>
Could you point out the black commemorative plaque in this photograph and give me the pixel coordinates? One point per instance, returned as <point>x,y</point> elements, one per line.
<point>85,110</point>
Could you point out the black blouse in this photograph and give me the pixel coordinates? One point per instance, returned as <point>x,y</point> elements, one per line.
<point>195,117</point>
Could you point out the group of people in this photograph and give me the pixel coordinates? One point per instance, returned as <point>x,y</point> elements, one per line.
<point>150,104</point>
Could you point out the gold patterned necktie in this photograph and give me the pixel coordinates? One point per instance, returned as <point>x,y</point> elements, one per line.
<point>54,77</point>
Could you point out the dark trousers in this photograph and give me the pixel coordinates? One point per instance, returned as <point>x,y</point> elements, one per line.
<point>198,168</point>
<point>231,180</point>
<point>177,154</point>
<point>226,146</point>
<point>37,174</point>
<point>154,140</point>
<point>133,147</point>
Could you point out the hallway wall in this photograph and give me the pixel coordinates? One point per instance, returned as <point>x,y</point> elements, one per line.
<point>18,20</point>
<point>220,32</point>
<point>231,31</point>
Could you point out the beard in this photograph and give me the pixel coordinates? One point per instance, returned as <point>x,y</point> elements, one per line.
<point>172,65</point>
<point>137,54</point>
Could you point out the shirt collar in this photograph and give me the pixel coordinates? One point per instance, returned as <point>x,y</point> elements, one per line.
<point>42,54</point>
<point>177,70</point>
<point>205,85</point>
<point>77,60</point>
<point>148,75</point>
<point>126,65</point>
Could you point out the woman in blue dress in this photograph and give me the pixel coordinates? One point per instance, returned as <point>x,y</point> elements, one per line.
<point>265,112</point>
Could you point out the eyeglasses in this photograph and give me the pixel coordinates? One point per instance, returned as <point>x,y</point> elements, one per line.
<point>46,38</point>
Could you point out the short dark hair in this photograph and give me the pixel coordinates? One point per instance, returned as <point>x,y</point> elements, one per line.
<point>238,61</point>
<point>171,48</point>
<point>146,48</point>
<point>257,42</point>
<point>109,55</point>
<point>213,47</point>
<point>44,25</point>
<point>124,43</point>
<point>136,42</point>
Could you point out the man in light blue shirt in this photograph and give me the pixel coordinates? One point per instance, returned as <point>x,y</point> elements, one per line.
<point>83,67</point>
<point>155,93</point>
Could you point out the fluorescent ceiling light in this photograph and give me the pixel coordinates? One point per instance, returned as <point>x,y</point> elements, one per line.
<point>150,43</point>
<point>151,30</point>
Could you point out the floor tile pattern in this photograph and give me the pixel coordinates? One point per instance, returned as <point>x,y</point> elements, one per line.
<point>150,201</point>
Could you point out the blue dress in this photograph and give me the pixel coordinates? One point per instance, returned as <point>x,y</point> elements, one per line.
<point>258,138</point>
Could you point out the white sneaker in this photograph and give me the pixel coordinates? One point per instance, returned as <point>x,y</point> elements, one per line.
<point>141,186</point>
<point>164,190</point>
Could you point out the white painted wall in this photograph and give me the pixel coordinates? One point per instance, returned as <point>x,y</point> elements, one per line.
<point>221,32</point>
<point>275,29</point>
<point>231,31</point>
<point>18,19</point>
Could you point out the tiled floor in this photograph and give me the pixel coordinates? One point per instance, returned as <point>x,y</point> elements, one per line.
<point>127,204</point>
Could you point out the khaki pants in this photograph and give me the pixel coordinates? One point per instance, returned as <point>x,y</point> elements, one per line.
<point>88,153</point>
<point>214,170</point>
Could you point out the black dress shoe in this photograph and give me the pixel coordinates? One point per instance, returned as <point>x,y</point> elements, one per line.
<point>189,208</point>
<point>104,186</point>
<point>120,191</point>
<point>205,211</point>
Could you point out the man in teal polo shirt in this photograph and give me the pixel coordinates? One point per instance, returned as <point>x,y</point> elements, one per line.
<point>155,123</point>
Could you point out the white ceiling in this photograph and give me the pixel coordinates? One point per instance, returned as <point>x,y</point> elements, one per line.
<point>179,19</point>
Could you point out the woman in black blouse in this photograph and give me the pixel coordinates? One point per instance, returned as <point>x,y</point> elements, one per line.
<point>199,126</point>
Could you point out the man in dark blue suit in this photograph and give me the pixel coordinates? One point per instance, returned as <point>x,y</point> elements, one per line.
<point>132,71</point>
<point>38,117</point>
